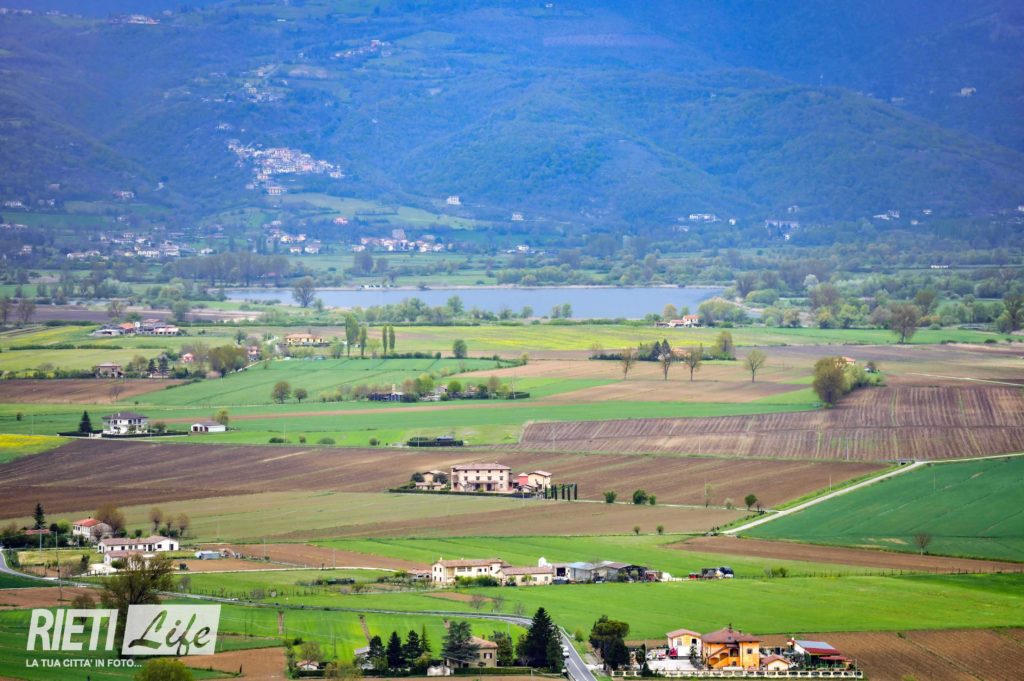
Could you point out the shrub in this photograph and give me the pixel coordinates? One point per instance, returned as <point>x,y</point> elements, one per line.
<point>325,441</point>
<point>610,496</point>
<point>374,442</point>
<point>277,440</point>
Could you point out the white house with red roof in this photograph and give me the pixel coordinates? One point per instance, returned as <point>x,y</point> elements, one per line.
<point>90,529</point>
<point>445,572</point>
<point>480,477</point>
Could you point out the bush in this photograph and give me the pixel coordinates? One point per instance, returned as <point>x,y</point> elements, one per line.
<point>325,441</point>
<point>640,497</point>
<point>374,442</point>
<point>277,440</point>
<point>610,496</point>
<point>302,439</point>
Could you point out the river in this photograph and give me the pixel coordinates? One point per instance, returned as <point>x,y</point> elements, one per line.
<point>586,302</point>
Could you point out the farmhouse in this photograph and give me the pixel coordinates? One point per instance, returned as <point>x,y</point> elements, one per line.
<point>486,655</point>
<point>432,480</point>
<point>527,576</point>
<point>207,427</point>
<point>125,423</point>
<point>153,544</point>
<point>818,652</point>
<point>303,340</point>
<point>537,481</point>
<point>686,321</point>
<point>729,648</point>
<point>480,477</point>
<point>90,529</point>
<point>445,572</point>
<point>108,370</point>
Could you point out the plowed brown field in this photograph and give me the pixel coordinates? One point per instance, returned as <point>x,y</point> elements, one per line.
<point>75,390</point>
<point>85,473</point>
<point>949,655</point>
<point>260,664</point>
<point>843,556</point>
<point>876,424</point>
<point>41,597</point>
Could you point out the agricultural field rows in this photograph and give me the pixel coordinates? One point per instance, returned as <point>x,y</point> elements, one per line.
<point>873,424</point>
<point>83,473</point>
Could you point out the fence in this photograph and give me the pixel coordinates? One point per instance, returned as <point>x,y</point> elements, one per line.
<point>746,674</point>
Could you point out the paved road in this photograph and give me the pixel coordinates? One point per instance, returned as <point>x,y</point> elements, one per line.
<point>574,665</point>
<point>825,497</point>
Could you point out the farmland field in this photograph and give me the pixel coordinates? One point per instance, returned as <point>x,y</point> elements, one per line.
<point>16,446</point>
<point>967,509</point>
<point>83,474</point>
<point>873,424</point>
<point>79,391</point>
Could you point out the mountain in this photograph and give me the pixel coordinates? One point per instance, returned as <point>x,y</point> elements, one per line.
<point>603,114</point>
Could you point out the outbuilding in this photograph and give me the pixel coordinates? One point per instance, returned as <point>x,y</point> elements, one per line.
<point>208,427</point>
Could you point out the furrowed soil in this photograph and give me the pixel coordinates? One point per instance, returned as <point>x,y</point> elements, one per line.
<point>41,597</point>
<point>86,473</point>
<point>760,548</point>
<point>944,655</point>
<point>78,391</point>
<point>259,664</point>
<point>872,424</point>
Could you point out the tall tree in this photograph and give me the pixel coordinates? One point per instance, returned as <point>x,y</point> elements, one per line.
<point>26,308</point>
<point>377,655</point>
<point>362,341</point>
<point>903,320</point>
<point>304,291</point>
<point>351,332</point>
<point>830,381</point>
<point>626,361</point>
<point>384,339</point>
<point>693,359</point>
<point>394,651</point>
<point>754,360</point>
<point>605,634</point>
<point>391,337</point>
<point>459,348</point>
<point>534,646</point>
<point>411,649</point>
<point>506,651</point>
<point>111,515</point>
<point>458,643</point>
<point>183,522</point>
<point>666,358</point>
<point>156,516</point>
<point>1012,318</point>
<point>39,517</point>
<point>85,424</point>
<point>139,582</point>
<point>725,348</point>
<point>6,305</point>
<point>281,391</point>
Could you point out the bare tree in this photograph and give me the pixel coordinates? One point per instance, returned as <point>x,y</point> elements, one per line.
<point>26,308</point>
<point>6,305</point>
<point>693,359</point>
<point>708,490</point>
<point>666,358</point>
<point>156,516</point>
<point>183,523</point>
<point>627,361</point>
<point>754,360</point>
<point>476,601</point>
<point>116,308</point>
<point>115,390</point>
<point>923,539</point>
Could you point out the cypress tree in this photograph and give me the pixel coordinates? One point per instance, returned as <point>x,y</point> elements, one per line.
<point>85,425</point>
<point>394,651</point>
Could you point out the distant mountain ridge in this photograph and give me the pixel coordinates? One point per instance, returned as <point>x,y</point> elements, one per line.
<point>609,114</point>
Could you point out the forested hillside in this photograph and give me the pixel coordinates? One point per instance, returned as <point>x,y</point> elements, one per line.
<point>621,116</point>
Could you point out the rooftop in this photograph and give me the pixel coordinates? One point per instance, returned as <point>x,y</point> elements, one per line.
<point>730,635</point>
<point>479,466</point>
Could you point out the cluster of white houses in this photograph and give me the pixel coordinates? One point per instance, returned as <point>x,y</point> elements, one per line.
<point>127,423</point>
<point>447,572</point>
<point>93,531</point>
<point>485,477</point>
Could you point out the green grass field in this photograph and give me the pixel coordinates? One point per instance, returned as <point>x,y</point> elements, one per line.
<point>968,509</point>
<point>254,385</point>
<point>278,585</point>
<point>653,551</point>
<point>354,423</point>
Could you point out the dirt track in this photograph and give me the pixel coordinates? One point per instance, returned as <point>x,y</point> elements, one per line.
<point>886,560</point>
<point>260,664</point>
<point>315,556</point>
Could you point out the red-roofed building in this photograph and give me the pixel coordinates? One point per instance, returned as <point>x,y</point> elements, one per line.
<point>775,663</point>
<point>731,649</point>
<point>90,529</point>
<point>683,641</point>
